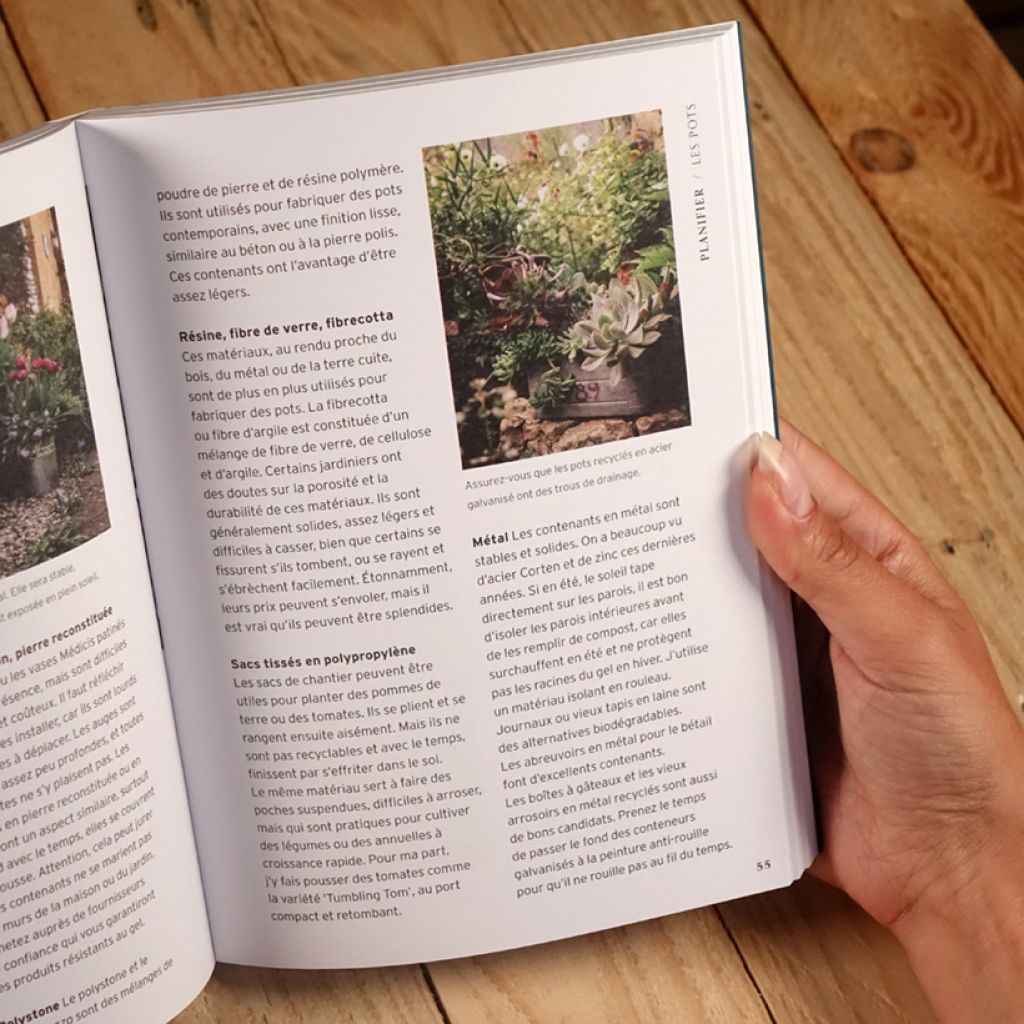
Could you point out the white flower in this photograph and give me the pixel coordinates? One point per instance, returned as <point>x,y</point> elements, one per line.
<point>7,317</point>
<point>542,193</point>
<point>498,162</point>
<point>581,143</point>
<point>563,149</point>
<point>466,155</point>
<point>521,202</point>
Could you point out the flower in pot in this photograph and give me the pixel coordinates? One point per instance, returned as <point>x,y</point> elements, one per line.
<point>32,410</point>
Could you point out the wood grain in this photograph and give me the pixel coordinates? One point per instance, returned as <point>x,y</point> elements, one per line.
<point>867,363</point>
<point>110,52</point>
<point>680,968</point>
<point>329,40</point>
<point>927,72</point>
<point>398,995</point>
<point>809,949</point>
<point>19,108</point>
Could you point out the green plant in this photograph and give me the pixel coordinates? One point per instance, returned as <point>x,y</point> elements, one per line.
<point>24,434</point>
<point>624,321</point>
<point>63,535</point>
<point>599,211</point>
<point>548,245</point>
<point>659,257</point>
<point>524,351</point>
<point>51,335</point>
<point>12,263</point>
<point>524,292</point>
<point>475,217</point>
<point>7,360</point>
<point>556,388</point>
<point>479,420</point>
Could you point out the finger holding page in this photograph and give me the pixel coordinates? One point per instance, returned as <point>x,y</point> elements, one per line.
<point>866,519</point>
<point>866,607</point>
<point>917,775</point>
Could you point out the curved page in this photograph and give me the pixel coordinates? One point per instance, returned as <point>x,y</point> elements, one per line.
<point>438,392</point>
<point>101,908</point>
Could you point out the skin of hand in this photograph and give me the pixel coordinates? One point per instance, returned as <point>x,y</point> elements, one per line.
<point>919,768</point>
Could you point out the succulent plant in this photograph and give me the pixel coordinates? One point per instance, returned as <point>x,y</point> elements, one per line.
<point>556,388</point>
<point>524,291</point>
<point>625,320</point>
<point>520,351</point>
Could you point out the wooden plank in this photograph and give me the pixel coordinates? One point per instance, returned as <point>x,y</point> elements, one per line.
<point>398,995</point>
<point>868,364</point>
<point>328,41</point>
<point>681,968</point>
<point>19,108</point>
<point>810,949</point>
<point>146,51</point>
<point>929,115</point>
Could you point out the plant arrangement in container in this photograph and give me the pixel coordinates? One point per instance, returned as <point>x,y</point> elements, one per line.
<point>33,402</point>
<point>43,405</point>
<point>52,495</point>
<point>556,264</point>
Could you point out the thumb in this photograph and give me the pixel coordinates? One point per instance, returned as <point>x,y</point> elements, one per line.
<point>867,609</point>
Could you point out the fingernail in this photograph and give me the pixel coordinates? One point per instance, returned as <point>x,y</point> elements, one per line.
<point>781,469</point>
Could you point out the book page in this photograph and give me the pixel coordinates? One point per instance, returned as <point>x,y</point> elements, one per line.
<point>440,398</point>
<point>101,908</point>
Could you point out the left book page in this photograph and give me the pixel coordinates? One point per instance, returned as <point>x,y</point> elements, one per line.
<point>101,908</point>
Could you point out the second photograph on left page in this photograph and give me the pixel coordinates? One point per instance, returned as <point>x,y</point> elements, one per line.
<point>102,913</point>
<point>51,487</point>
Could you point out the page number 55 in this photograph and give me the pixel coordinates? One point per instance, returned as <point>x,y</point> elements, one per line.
<point>764,865</point>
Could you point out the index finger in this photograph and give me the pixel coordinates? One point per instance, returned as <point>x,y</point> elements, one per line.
<point>864,517</point>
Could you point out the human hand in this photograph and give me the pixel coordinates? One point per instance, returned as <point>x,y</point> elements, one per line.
<point>920,777</point>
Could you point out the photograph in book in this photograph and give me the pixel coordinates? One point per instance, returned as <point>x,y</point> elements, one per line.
<point>51,490</point>
<point>556,264</point>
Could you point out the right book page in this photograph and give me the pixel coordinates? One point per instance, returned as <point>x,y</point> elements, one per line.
<point>439,392</point>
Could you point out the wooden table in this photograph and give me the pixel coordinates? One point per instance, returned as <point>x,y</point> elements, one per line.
<point>890,149</point>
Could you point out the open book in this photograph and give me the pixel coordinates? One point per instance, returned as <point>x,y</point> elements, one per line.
<point>375,586</point>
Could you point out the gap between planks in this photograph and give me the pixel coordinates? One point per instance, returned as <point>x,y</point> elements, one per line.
<point>746,967</point>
